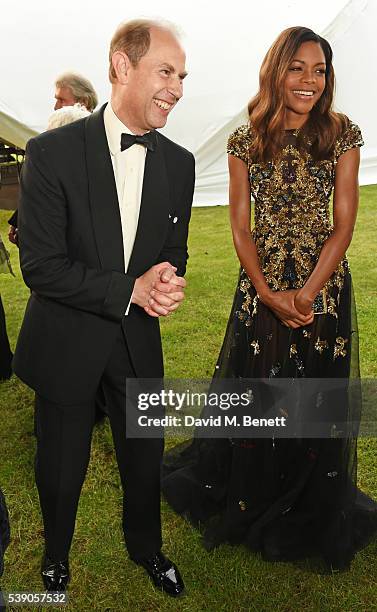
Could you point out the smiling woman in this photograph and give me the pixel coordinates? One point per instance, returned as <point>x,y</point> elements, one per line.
<point>297,83</point>
<point>305,81</point>
<point>292,318</point>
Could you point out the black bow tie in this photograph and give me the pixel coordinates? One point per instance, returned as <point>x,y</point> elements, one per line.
<point>147,140</point>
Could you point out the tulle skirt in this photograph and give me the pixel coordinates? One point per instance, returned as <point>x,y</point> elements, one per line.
<point>286,498</point>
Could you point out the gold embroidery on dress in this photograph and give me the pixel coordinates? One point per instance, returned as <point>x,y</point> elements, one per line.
<point>339,348</point>
<point>331,306</point>
<point>255,301</point>
<point>244,286</point>
<point>306,333</point>
<point>292,210</point>
<point>255,345</point>
<point>292,350</point>
<point>321,345</point>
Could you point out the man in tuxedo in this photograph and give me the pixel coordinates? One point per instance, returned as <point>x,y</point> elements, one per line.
<point>104,213</point>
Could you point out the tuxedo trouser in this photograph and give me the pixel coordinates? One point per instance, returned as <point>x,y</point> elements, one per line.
<point>64,435</point>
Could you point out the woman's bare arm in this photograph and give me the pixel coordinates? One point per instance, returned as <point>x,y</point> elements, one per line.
<point>346,198</point>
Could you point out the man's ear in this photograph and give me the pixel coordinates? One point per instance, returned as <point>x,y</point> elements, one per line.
<point>121,65</point>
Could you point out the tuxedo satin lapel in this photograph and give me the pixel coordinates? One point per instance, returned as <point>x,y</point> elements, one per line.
<point>154,210</point>
<point>103,194</point>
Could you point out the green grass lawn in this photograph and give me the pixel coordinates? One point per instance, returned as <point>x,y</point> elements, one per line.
<point>228,579</point>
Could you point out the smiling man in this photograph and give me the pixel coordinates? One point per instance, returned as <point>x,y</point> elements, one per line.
<point>103,226</point>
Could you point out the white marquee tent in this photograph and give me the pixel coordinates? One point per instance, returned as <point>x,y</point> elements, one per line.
<point>225,45</point>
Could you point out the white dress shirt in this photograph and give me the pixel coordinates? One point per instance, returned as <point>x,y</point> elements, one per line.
<point>128,169</point>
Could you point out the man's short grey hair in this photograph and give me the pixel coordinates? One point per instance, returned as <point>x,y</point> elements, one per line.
<point>67,114</point>
<point>82,89</point>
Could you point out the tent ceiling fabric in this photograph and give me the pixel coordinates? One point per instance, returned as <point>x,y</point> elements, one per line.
<point>14,132</point>
<point>224,51</point>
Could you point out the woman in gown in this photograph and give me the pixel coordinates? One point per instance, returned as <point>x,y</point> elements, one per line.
<point>5,352</point>
<point>292,316</point>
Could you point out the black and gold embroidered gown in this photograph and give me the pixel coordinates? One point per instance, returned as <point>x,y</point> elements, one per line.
<point>287,498</point>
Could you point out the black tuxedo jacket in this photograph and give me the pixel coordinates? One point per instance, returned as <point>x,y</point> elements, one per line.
<point>71,252</point>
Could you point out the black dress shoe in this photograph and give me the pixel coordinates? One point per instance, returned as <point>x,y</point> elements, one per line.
<point>55,574</point>
<point>163,572</point>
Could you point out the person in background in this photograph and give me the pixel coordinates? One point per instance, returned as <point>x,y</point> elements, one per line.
<point>66,115</point>
<point>4,538</point>
<point>5,373</point>
<point>70,88</point>
<point>5,351</point>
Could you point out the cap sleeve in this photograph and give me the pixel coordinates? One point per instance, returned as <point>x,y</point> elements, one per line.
<point>350,139</point>
<point>239,143</point>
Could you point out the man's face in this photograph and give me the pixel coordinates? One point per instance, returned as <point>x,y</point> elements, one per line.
<point>64,97</point>
<point>155,85</point>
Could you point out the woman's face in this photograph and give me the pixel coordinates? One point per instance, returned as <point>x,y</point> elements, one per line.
<point>305,80</point>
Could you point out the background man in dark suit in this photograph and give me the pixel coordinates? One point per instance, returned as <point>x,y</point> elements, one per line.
<point>103,243</point>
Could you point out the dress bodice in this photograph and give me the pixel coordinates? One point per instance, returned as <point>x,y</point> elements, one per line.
<point>292,204</point>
